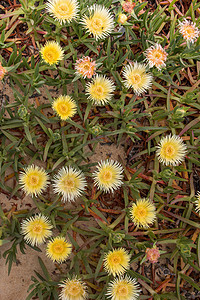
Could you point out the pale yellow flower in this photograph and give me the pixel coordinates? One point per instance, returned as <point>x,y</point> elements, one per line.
<point>100,90</point>
<point>189,31</point>
<point>137,78</point>
<point>171,150</point>
<point>156,56</point>
<point>58,249</point>
<point>143,213</point>
<point>36,229</point>
<point>100,22</point>
<point>85,67</point>
<point>34,180</point>
<point>197,203</point>
<point>52,53</point>
<point>123,288</point>
<point>108,176</point>
<point>117,261</point>
<point>65,107</point>
<point>70,183</point>
<point>122,18</point>
<point>63,10</point>
<point>73,289</point>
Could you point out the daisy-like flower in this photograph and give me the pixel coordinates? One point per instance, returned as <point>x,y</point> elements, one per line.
<point>70,183</point>
<point>65,107</point>
<point>143,212</point>
<point>171,150</point>
<point>153,254</point>
<point>34,180</point>
<point>58,249</point>
<point>156,56</point>
<point>2,71</point>
<point>189,31</point>
<point>85,67</point>
<point>100,22</point>
<point>123,288</point>
<point>197,202</point>
<point>108,176</point>
<point>63,10</point>
<point>137,78</point>
<point>52,53</point>
<point>36,229</point>
<point>100,90</point>
<point>116,261</point>
<point>73,289</point>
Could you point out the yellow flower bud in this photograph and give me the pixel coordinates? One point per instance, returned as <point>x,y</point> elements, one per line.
<point>122,18</point>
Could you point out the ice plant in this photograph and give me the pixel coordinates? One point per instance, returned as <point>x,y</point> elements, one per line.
<point>85,67</point>
<point>122,18</point>
<point>108,176</point>
<point>171,150</point>
<point>65,107</point>
<point>100,90</point>
<point>152,254</point>
<point>137,78</point>
<point>52,53</point>
<point>2,71</point>
<point>128,6</point>
<point>36,229</point>
<point>143,213</point>
<point>100,22</point>
<point>123,288</point>
<point>63,10</point>
<point>70,183</point>
<point>34,180</point>
<point>73,289</point>
<point>58,249</point>
<point>189,31</point>
<point>156,56</point>
<point>197,202</point>
<point>116,261</point>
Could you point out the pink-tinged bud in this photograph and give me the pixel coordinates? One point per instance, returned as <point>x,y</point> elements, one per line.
<point>122,18</point>
<point>2,72</point>
<point>153,254</point>
<point>128,6</point>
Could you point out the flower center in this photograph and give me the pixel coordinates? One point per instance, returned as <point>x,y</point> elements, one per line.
<point>58,249</point>
<point>63,108</point>
<point>69,183</point>
<point>99,91</point>
<point>116,259</point>
<point>141,212</point>
<point>97,24</point>
<point>62,9</point>
<point>189,31</point>
<point>34,180</point>
<point>86,66</point>
<point>107,176</point>
<point>158,55</point>
<point>123,291</point>
<point>136,78</point>
<point>74,289</point>
<point>37,229</point>
<point>169,150</point>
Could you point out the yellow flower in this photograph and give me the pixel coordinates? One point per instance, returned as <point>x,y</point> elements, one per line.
<point>143,212</point>
<point>73,289</point>
<point>51,52</point>
<point>122,18</point>
<point>156,56</point>
<point>100,90</point>
<point>117,261</point>
<point>123,288</point>
<point>63,10</point>
<point>171,150</point>
<point>70,183</point>
<point>137,78</point>
<point>100,22</point>
<point>108,176</point>
<point>197,203</point>
<point>65,107</point>
<point>3,71</point>
<point>33,180</point>
<point>85,67</point>
<point>58,249</point>
<point>189,31</point>
<point>36,229</point>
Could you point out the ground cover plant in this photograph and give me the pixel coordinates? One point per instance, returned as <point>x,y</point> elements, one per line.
<point>122,73</point>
